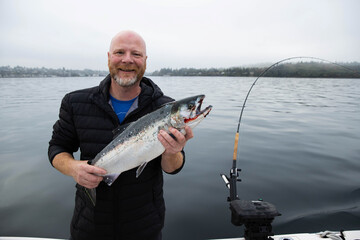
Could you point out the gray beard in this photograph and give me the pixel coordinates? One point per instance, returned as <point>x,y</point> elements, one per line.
<point>125,82</point>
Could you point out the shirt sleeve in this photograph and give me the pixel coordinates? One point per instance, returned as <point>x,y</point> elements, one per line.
<point>64,137</point>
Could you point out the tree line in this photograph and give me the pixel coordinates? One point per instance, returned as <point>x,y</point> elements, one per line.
<point>18,71</point>
<point>300,69</point>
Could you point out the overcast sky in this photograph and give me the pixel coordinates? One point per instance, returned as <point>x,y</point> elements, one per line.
<point>178,33</point>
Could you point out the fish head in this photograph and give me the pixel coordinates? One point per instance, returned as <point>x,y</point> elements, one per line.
<point>188,112</point>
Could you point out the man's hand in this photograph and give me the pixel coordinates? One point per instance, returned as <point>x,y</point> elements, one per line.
<point>86,175</point>
<point>172,145</point>
<point>172,159</point>
<point>83,173</point>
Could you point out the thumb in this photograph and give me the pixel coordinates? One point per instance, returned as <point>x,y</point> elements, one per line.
<point>95,170</point>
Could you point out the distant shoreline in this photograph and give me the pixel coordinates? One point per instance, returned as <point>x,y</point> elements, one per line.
<point>297,70</point>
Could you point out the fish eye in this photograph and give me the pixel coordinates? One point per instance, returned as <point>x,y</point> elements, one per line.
<point>191,105</point>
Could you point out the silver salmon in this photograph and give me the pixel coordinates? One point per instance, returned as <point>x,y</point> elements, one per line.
<point>138,144</point>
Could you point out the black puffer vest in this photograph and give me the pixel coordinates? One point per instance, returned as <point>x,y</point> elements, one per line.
<point>132,208</point>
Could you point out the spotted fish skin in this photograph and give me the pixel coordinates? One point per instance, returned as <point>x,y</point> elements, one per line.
<point>138,144</point>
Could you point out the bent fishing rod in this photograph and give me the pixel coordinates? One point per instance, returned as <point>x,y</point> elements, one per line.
<point>258,215</point>
<point>231,182</point>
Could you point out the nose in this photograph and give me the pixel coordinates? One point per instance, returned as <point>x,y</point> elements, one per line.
<point>127,58</point>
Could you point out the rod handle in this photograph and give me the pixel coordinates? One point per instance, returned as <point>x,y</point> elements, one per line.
<point>236,146</point>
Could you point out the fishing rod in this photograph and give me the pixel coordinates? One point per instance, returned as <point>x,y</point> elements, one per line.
<point>262,74</point>
<point>234,171</point>
<point>255,215</point>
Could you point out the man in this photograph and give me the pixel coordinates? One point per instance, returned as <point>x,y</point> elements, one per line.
<point>132,208</point>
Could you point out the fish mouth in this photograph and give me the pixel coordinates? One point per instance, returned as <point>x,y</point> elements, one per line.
<point>196,111</point>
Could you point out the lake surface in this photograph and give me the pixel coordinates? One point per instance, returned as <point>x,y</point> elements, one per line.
<point>299,149</point>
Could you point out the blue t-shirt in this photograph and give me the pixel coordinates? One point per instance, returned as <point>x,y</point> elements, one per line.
<point>121,107</point>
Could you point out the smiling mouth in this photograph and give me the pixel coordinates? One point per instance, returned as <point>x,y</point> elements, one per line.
<point>126,70</point>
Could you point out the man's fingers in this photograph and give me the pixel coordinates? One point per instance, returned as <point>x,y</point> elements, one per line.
<point>189,133</point>
<point>87,175</point>
<point>95,170</point>
<point>180,138</point>
<point>92,178</point>
<point>166,138</point>
<point>90,181</point>
<point>173,145</point>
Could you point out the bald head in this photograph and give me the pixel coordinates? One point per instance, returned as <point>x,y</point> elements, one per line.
<point>127,60</point>
<point>128,35</point>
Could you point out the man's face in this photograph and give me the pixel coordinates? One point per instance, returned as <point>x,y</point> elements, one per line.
<point>127,59</point>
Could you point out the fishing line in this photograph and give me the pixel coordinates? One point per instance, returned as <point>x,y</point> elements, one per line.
<point>253,84</point>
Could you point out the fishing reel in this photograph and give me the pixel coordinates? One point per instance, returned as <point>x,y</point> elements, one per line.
<point>256,216</point>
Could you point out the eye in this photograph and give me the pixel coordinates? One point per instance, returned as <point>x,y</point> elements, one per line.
<point>191,106</point>
<point>136,54</point>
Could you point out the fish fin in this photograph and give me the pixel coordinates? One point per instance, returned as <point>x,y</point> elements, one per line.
<point>164,104</point>
<point>117,131</point>
<point>91,193</point>
<point>110,179</point>
<point>140,169</point>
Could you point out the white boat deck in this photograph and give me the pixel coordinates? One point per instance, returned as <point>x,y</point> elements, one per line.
<point>349,235</point>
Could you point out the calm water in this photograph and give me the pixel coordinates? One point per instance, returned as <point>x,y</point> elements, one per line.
<point>299,149</point>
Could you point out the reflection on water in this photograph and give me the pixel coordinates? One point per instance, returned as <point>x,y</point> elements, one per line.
<point>298,149</point>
